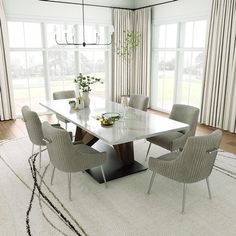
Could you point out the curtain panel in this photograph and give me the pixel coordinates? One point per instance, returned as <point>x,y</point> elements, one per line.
<point>218,107</point>
<point>6,93</point>
<point>131,75</point>
<point>142,59</point>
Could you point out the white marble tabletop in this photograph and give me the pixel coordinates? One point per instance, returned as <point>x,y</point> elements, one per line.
<point>134,125</point>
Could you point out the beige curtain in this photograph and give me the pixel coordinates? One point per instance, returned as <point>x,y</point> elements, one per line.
<point>219,90</point>
<point>122,68</point>
<point>131,75</point>
<point>141,78</point>
<point>6,96</point>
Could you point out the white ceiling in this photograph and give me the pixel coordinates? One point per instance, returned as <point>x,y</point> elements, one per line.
<point>120,3</point>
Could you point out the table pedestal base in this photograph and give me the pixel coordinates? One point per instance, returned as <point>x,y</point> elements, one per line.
<point>114,168</point>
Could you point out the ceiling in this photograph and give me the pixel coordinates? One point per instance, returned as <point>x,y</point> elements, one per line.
<point>118,3</point>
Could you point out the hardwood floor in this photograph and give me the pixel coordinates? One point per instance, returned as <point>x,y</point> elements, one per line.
<point>16,129</point>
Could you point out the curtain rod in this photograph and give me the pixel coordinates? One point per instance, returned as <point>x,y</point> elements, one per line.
<point>104,6</point>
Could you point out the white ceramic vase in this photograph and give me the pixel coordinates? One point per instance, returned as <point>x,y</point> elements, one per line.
<point>86,99</point>
<point>77,90</point>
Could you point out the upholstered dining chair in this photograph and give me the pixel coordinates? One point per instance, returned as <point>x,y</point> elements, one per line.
<point>174,140</point>
<point>63,95</point>
<point>34,129</point>
<point>139,102</point>
<point>70,158</point>
<point>194,163</point>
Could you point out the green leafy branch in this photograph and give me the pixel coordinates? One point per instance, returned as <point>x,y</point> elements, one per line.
<point>131,42</point>
<point>86,81</point>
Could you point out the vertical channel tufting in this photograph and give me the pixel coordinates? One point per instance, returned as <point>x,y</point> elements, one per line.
<point>193,164</point>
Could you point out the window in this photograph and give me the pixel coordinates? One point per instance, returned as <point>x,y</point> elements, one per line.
<point>39,66</point>
<point>178,60</point>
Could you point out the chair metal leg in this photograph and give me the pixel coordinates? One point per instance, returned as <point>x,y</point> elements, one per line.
<point>148,151</point>
<point>32,149</point>
<point>40,153</point>
<point>69,185</point>
<point>183,200</point>
<point>103,176</point>
<point>151,182</point>
<point>208,187</point>
<point>52,177</point>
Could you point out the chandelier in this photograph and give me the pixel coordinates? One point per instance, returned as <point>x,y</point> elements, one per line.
<point>73,42</point>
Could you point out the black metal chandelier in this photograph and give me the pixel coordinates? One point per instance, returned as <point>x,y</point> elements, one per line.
<point>68,43</point>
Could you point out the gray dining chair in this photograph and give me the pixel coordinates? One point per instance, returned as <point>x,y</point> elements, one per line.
<point>34,129</point>
<point>65,94</point>
<point>174,140</point>
<point>67,157</point>
<point>194,163</point>
<point>139,102</point>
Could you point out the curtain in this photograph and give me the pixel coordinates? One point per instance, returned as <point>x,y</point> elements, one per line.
<point>131,75</point>
<point>6,94</point>
<point>219,97</point>
<point>122,68</point>
<point>141,78</point>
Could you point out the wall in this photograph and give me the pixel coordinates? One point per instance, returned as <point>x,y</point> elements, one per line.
<point>180,9</point>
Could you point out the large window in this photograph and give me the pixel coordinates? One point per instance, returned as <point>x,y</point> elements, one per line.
<point>39,66</point>
<point>178,60</point>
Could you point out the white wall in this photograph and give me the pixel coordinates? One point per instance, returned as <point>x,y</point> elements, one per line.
<point>180,10</point>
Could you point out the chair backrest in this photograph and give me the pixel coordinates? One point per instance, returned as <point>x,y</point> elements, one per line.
<point>186,114</point>
<point>64,94</point>
<point>60,147</point>
<point>33,125</point>
<point>139,102</point>
<point>198,156</point>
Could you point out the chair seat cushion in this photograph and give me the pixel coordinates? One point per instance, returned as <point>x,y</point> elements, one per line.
<point>165,140</point>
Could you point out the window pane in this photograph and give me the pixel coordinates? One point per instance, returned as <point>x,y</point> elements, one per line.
<point>199,34</point>
<point>167,36</point>
<point>27,79</point>
<point>166,79</point>
<point>195,34</point>
<point>188,36</point>
<point>190,86</point>
<point>33,35</point>
<point>171,35</point>
<point>16,34</point>
<point>93,63</point>
<point>61,65</point>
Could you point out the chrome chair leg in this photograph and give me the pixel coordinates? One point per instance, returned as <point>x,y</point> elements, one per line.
<point>151,182</point>
<point>52,177</point>
<point>183,200</point>
<point>66,125</point>
<point>103,176</point>
<point>32,149</point>
<point>69,185</point>
<point>148,151</point>
<point>40,153</point>
<point>208,187</point>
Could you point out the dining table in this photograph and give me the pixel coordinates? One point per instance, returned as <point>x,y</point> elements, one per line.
<point>117,139</point>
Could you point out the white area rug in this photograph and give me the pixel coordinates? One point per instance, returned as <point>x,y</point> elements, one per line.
<point>123,208</point>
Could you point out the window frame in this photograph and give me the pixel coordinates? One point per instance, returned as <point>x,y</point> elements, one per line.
<point>77,50</point>
<point>180,49</point>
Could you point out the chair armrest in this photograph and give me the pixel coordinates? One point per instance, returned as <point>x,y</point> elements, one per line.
<point>211,151</point>
<point>46,140</point>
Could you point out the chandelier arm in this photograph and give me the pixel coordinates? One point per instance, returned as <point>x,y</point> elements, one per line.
<point>83,43</point>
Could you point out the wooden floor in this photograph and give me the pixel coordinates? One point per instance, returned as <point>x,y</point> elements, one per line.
<point>16,129</point>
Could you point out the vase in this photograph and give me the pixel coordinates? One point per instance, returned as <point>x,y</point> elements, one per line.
<point>77,90</point>
<point>86,99</point>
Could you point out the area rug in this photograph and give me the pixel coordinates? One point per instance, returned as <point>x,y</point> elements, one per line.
<point>123,208</point>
